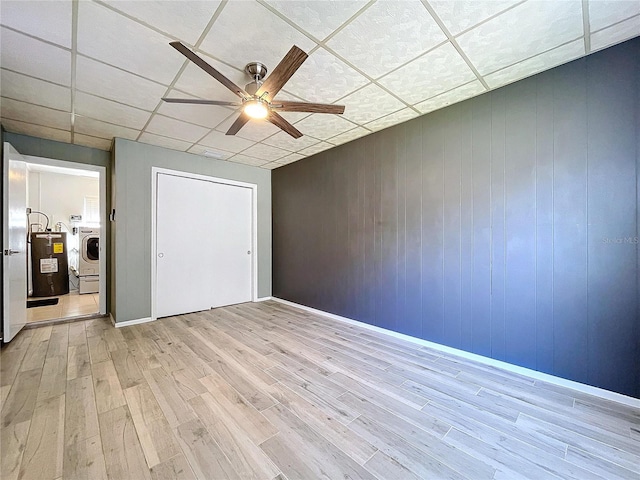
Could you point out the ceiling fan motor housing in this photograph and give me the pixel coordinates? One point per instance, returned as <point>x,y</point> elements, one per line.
<point>257,71</point>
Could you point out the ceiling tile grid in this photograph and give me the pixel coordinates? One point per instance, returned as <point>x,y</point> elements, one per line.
<point>528,29</point>
<point>27,112</point>
<point>83,72</point>
<point>435,72</point>
<point>387,35</point>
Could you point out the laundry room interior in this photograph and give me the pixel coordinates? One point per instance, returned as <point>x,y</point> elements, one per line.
<point>63,268</point>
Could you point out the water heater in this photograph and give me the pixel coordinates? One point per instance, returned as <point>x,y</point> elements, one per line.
<point>49,265</point>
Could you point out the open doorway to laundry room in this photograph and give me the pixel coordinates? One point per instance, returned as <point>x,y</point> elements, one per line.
<point>64,274</point>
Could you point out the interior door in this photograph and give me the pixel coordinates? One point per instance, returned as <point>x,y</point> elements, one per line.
<point>203,244</point>
<point>14,243</point>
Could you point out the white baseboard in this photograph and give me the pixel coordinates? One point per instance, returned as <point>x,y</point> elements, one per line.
<point>263,299</point>
<point>135,321</point>
<point>534,374</point>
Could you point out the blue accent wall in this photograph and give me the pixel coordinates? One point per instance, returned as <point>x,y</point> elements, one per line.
<point>505,225</point>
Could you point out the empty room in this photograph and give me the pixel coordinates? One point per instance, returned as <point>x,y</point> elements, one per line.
<point>320,239</point>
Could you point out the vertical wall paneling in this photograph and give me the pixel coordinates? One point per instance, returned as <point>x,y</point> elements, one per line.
<point>480,168</point>
<point>452,225</point>
<point>570,217</point>
<point>386,146</point>
<point>369,240</point>
<point>432,228</point>
<point>497,194</point>
<point>412,322</point>
<point>466,227</point>
<point>612,246</point>
<point>544,253</point>
<point>520,223</point>
<point>401,228</point>
<point>505,225</point>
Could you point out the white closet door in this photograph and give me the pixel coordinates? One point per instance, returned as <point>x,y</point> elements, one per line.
<point>203,245</point>
<point>230,246</point>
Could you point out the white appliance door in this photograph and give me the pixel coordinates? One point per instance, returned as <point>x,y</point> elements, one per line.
<point>203,245</point>
<point>14,243</point>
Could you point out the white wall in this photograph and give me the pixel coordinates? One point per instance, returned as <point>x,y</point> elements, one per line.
<point>59,196</point>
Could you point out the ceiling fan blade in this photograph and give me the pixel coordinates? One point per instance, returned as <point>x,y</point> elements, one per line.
<point>209,69</point>
<point>201,102</point>
<point>238,124</point>
<point>280,122</point>
<point>307,107</point>
<point>282,73</point>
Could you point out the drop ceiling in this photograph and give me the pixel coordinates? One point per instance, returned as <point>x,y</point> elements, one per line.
<point>84,72</point>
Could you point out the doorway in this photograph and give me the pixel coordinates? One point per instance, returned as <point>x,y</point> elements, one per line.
<point>66,270</point>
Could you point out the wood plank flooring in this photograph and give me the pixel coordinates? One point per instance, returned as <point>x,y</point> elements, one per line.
<point>267,391</point>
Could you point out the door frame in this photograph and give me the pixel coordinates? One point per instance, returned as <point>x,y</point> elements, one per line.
<point>155,171</point>
<point>102,182</point>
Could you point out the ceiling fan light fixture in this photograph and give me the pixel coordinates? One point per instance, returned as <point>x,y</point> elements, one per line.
<point>256,109</point>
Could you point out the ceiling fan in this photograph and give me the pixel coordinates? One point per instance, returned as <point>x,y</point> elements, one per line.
<point>257,97</point>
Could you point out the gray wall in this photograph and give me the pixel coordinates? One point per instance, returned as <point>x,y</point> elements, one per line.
<point>132,201</point>
<point>40,147</point>
<point>505,225</point>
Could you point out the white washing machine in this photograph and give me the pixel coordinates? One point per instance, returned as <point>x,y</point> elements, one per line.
<point>89,260</point>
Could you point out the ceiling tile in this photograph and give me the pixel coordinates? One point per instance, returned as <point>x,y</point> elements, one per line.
<point>255,130</point>
<point>393,119</point>
<point>529,67</point>
<point>27,89</point>
<point>161,141</point>
<point>522,32</point>
<point>248,32</point>
<point>32,57</point>
<point>435,72</point>
<point>319,18</point>
<point>348,136</point>
<point>369,103</point>
<point>287,142</point>
<point>25,112</point>
<point>294,157</point>
<point>96,128</point>
<point>255,162</point>
<point>317,148</point>
<point>324,78</point>
<point>615,34</point>
<point>196,82</point>
<point>210,152</point>
<point>112,38</point>
<point>112,83</point>
<point>230,143</point>
<point>272,165</point>
<point>387,35</point>
<point>460,15</point>
<point>169,127</point>
<point>93,142</point>
<point>603,13</point>
<point>36,130</point>
<point>194,15</point>
<point>265,152</point>
<point>208,116</point>
<point>113,112</point>
<point>49,20</point>
<point>452,96</point>
<point>324,126</point>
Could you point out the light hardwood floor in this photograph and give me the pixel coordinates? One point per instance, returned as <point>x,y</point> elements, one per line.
<point>271,392</point>
<point>70,305</point>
